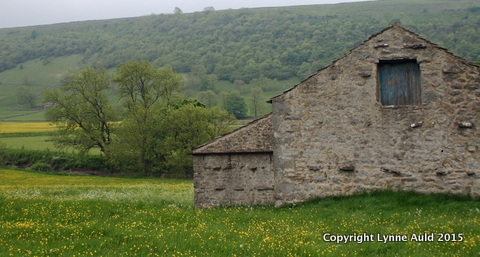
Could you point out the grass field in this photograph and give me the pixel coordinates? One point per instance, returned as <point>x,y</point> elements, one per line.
<point>34,141</point>
<point>31,143</point>
<point>60,215</point>
<point>32,116</point>
<point>31,136</point>
<point>9,109</point>
<point>26,135</point>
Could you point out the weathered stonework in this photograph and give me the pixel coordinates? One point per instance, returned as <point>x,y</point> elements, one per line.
<point>332,135</point>
<point>233,179</point>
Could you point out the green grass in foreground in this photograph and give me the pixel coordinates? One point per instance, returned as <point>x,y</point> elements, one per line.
<point>35,141</point>
<point>52,215</point>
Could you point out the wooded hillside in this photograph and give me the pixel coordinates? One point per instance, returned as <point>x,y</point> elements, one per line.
<point>278,43</point>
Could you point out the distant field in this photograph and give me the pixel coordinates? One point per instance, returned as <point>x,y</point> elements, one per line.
<point>36,143</point>
<point>62,215</point>
<point>9,110</point>
<point>26,135</point>
<point>30,143</point>
<point>8,101</point>
<point>31,136</point>
<point>37,116</point>
<point>21,127</point>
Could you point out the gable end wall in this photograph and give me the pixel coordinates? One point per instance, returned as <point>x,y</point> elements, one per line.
<point>333,137</point>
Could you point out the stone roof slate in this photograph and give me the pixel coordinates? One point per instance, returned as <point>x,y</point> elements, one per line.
<point>254,137</point>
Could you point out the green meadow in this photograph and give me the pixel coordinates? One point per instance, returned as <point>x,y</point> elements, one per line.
<point>29,142</point>
<point>65,215</point>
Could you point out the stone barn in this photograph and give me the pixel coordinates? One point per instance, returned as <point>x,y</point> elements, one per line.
<point>397,112</point>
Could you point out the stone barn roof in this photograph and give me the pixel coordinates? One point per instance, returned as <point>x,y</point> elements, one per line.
<point>254,137</point>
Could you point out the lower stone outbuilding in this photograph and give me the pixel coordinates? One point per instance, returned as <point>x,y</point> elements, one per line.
<point>237,168</point>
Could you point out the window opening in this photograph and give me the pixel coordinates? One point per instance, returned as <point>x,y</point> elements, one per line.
<point>399,82</point>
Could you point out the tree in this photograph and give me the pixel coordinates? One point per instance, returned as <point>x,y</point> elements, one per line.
<point>235,105</point>
<point>256,100</point>
<point>223,99</point>
<point>238,84</point>
<point>266,84</point>
<point>189,127</point>
<point>305,70</point>
<point>198,71</point>
<point>172,134</point>
<point>33,35</point>
<point>209,9</point>
<point>158,131</point>
<point>251,71</point>
<point>208,82</point>
<point>141,84</point>
<point>221,121</point>
<point>148,93</point>
<point>209,98</point>
<point>81,110</point>
<point>26,80</point>
<point>177,10</point>
<point>137,145</point>
<point>25,97</point>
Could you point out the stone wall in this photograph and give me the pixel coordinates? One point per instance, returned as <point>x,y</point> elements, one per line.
<point>334,137</point>
<point>233,179</point>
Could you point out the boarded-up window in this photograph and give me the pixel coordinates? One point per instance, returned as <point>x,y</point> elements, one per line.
<point>399,82</point>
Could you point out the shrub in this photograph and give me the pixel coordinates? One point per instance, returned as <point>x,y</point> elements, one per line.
<point>3,153</point>
<point>56,160</point>
<point>39,166</point>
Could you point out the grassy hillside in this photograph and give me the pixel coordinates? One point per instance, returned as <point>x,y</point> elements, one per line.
<point>248,45</point>
<point>37,72</point>
<point>281,39</point>
<point>59,215</point>
<point>36,76</point>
